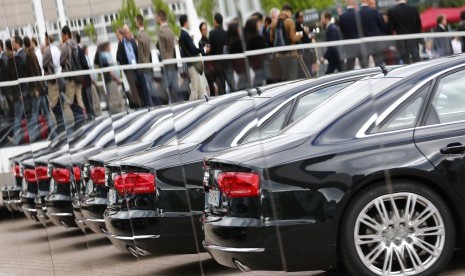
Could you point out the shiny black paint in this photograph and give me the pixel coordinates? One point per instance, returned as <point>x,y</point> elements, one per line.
<point>308,181</point>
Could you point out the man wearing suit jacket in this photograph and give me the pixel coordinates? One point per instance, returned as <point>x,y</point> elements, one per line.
<point>145,56</point>
<point>461,28</point>
<point>188,49</point>
<point>19,61</point>
<point>372,25</point>
<point>166,43</point>
<point>127,53</point>
<point>332,54</point>
<point>350,26</point>
<point>217,40</point>
<point>405,19</point>
<point>3,90</point>
<point>442,45</point>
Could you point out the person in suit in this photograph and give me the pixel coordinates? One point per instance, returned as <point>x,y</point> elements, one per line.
<point>3,77</point>
<point>145,56</point>
<point>86,89</point>
<point>127,53</point>
<point>442,45</point>
<point>308,55</point>
<point>203,42</point>
<point>332,54</point>
<point>188,49</point>
<point>350,26</point>
<point>166,46</point>
<point>18,64</point>
<point>461,28</point>
<point>217,40</point>
<point>372,25</point>
<point>405,19</point>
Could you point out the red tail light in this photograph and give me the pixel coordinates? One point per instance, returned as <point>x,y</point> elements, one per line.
<point>30,175</point>
<point>135,183</point>
<point>61,176</point>
<point>16,171</point>
<point>239,184</point>
<point>77,173</point>
<point>97,174</point>
<point>41,173</point>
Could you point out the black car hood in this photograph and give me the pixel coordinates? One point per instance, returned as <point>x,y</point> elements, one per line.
<point>157,158</point>
<point>254,154</point>
<point>76,157</point>
<point>113,153</point>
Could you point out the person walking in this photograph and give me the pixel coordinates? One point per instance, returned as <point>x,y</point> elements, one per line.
<point>405,19</point>
<point>203,42</point>
<point>442,45</point>
<point>18,63</point>
<point>96,109</point>
<point>332,54</point>
<point>238,64</point>
<point>372,25</point>
<point>86,81</point>
<point>166,46</point>
<point>461,28</point>
<point>350,26</point>
<point>308,55</point>
<point>145,56</point>
<point>217,40</point>
<point>4,91</point>
<point>111,79</point>
<point>70,61</point>
<point>188,49</point>
<point>38,53</point>
<point>127,54</point>
<point>254,41</point>
<point>283,33</point>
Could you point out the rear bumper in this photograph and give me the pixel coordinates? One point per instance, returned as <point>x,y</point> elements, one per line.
<point>249,244</point>
<point>78,219</point>
<point>41,210</point>
<point>28,205</point>
<point>150,232</point>
<point>11,199</point>
<point>60,210</point>
<point>92,214</point>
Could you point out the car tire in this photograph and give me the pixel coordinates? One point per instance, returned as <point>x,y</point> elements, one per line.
<point>377,240</point>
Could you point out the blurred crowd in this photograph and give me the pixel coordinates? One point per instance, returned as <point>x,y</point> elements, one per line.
<point>63,104</point>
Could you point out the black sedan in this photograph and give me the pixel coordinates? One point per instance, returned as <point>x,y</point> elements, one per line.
<point>163,187</point>
<point>372,179</point>
<point>180,122</point>
<point>36,167</point>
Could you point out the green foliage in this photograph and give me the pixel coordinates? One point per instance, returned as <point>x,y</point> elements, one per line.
<point>89,30</point>
<point>172,20</point>
<point>205,9</point>
<point>297,4</point>
<point>127,15</point>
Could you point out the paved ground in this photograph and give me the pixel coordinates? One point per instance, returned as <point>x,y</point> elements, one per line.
<point>27,248</point>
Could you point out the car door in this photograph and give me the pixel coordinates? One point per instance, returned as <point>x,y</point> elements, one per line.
<point>442,138</point>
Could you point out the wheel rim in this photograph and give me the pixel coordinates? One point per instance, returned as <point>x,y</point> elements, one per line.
<point>399,234</point>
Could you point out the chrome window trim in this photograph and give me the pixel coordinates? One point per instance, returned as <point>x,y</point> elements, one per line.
<point>265,118</point>
<point>375,119</point>
<point>232,249</point>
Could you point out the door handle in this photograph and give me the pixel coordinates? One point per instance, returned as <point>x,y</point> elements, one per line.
<point>454,148</point>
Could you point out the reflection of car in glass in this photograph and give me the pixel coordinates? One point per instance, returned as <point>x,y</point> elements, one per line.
<point>10,194</point>
<point>164,215</point>
<point>94,203</point>
<point>372,179</point>
<point>36,167</point>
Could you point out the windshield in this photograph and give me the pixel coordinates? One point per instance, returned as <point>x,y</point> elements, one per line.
<point>339,104</point>
<point>215,123</point>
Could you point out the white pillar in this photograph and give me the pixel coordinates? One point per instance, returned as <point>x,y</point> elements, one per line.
<point>193,18</point>
<point>61,13</point>
<point>40,19</point>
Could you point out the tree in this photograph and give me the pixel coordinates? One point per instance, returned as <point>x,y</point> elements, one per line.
<point>205,9</point>
<point>297,4</point>
<point>89,29</point>
<point>127,15</point>
<point>172,21</point>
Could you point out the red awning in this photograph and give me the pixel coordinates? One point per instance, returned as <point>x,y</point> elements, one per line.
<point>428,17</point>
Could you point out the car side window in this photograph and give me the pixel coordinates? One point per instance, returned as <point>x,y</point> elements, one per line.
<point>407,115</point>
<point>448,104</point>
<point>309,102</point>
<point>269,128</point>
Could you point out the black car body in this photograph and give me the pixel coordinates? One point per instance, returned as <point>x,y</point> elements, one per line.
<point>372,179</point>
<point>180,122</point>
<point>65,171</point>
<point>37,169</point>
<point>165,219</point>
